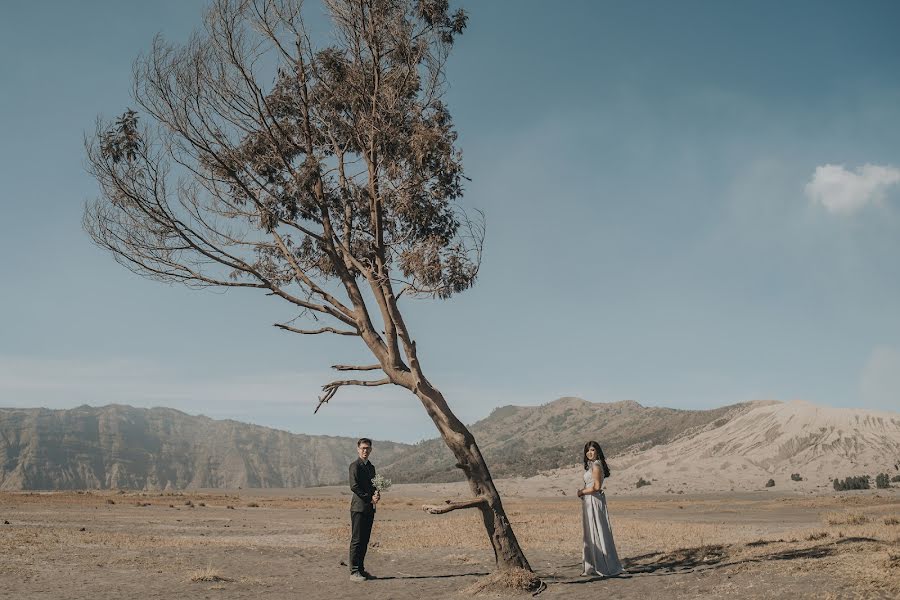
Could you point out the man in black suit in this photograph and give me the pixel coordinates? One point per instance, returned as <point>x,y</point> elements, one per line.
<point>362,509</point>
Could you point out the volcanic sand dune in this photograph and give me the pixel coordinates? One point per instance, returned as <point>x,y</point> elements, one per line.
<point>771,441</point>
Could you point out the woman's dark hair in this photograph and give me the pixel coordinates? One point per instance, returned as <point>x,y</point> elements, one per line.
<point>600,456</point>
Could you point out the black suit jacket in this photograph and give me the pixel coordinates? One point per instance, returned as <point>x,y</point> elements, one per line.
<point>361,485</point>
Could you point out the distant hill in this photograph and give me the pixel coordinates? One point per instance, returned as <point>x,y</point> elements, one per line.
<point>771,441</point>
<point>124,447</point>
<point>733,447</point>
<point>524,440</point>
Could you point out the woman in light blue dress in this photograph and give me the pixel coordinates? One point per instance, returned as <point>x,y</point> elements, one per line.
<point>599,554</point>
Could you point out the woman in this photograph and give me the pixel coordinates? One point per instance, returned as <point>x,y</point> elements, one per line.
<point>599,552</point>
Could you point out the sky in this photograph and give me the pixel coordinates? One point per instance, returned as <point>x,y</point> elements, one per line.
<point>688,204</point>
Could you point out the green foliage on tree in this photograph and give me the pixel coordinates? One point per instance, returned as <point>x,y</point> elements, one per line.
<point>859,482</point>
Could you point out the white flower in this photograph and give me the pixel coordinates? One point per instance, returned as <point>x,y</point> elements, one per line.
<point>381,483</point>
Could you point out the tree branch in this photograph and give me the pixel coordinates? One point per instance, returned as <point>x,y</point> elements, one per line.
<point>332,388</point>
<point>437,509</point>
<point>355,367</point>
<point>315,331</point>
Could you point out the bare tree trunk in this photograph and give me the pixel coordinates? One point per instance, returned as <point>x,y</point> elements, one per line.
<point>507,552</point>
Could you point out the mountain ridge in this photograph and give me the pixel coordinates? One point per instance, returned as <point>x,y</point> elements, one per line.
<point>523,440</point>
<point>119,446</point>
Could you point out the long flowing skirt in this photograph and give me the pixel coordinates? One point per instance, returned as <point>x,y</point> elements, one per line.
<point>599,553</point>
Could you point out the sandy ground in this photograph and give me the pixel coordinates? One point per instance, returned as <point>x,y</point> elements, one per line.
<point>277,544</point>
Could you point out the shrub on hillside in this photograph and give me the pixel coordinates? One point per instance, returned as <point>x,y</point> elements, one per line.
<point>641,482</point>
<point>770,483</point>
<point>859,482</point>
<point>895,478</point>
<point>796,477</point>
<point>882,481</point>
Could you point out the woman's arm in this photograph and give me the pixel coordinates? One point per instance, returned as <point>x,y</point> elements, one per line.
<point>595,486</point>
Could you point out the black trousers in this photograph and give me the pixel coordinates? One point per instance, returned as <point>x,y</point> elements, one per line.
<point>360,532</point>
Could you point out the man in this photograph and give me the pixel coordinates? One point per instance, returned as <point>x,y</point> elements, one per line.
<point>362,509</point>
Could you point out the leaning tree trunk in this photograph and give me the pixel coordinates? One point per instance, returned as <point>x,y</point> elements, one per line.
<point>507,552</point>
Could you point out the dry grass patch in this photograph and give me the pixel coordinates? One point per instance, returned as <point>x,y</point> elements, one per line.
<point>857,519</point>
<point>511,581</point>
<point>891,521</point>
<point>835,518</point>
<point>209,575</point>
<point>879,572</point>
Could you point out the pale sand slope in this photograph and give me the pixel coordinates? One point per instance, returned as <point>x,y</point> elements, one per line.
<point>773,440</point>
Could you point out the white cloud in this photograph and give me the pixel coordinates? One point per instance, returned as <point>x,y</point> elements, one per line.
<point>844,192</point>
<point>880,382</point>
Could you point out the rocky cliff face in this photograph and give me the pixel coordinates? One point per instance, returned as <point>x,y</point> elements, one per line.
<point>123,447</point>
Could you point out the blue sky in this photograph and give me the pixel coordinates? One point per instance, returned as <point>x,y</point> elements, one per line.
<point>688,204</point>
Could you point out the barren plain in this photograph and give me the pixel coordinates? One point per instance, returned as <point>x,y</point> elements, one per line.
<point>276,544</point>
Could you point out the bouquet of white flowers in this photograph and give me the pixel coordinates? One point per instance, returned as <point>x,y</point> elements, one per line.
<point>381,483</point>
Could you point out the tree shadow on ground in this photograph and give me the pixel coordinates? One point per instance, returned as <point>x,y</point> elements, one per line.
<point>688,560</point>
<point>440,576</point>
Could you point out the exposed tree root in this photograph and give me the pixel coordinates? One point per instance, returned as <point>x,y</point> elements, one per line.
<point>508,581</point>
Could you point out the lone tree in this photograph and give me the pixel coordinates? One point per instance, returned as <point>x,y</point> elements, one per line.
<point>333,187</point>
